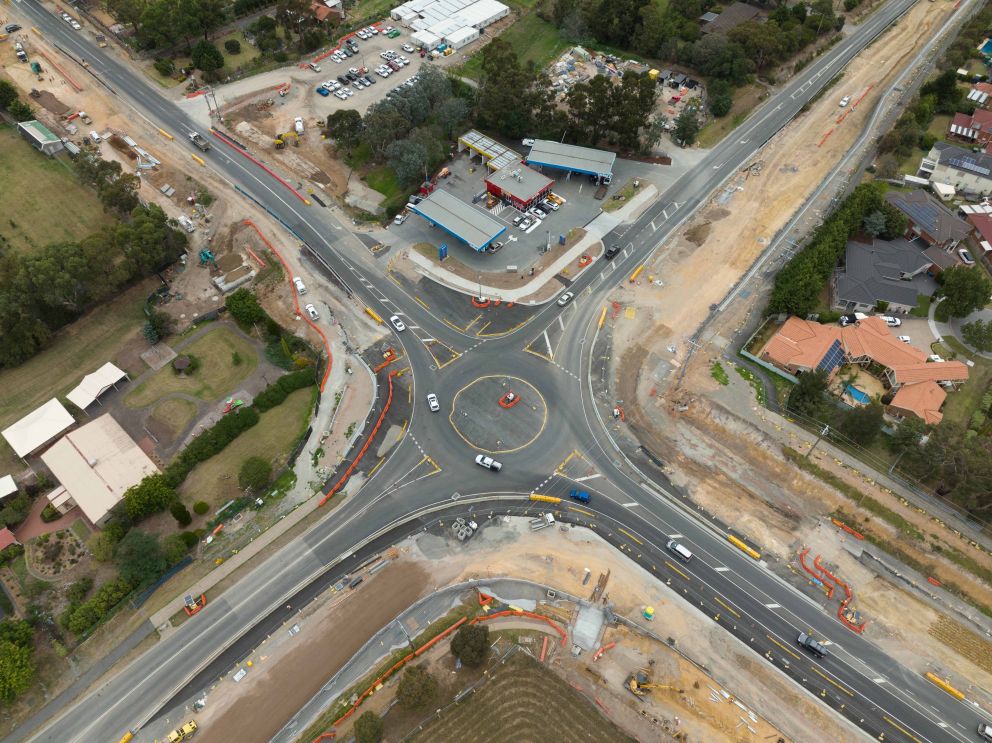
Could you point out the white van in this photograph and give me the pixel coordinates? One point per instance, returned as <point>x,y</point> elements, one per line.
<point>298,283</point>
<point>677,549</point>
<point>314,67</point>
<point>95,138</point>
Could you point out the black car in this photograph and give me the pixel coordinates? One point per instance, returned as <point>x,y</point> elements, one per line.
<point>812,645</point>
<point>343,80</point>
<point>369,80</point>
<point>352,77</point>
<point>612,252</point>
<point>11,28</point>
<point>347,52</point>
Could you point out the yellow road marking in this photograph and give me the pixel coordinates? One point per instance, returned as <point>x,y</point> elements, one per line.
<point>539,355</point>
<point>677,570</point>
<point>784,647</point>
<point>602,318</point>
<point>580,510</point>
<point>519,325</point>
<point>395,280</point>
<point>422,303</point>
<point>377,466</point>
<point>437,467</point>
<point>901,729</point>
<point>479,331</point>
<point>569,458</point>
<point>403,427</point>
<point>478,317</point>
<point>727,606</point>
<point>624,531</point>
<point>844,689</point>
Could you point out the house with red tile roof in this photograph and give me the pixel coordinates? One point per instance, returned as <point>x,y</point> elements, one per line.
<point>7,538</point>
<point>801,346</point>
<point>975,128</point>
<point>981,94</point>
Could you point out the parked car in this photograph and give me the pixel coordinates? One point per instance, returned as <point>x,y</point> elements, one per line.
<point>432,402</point>
<point>892,322</point>
<point>526,222</point>
<point>397,323</point>
<point>845,100</point>
<point>518,219</point>
<point>488,462</point>
<point>323,91</point>
<point>565,298</point>
<point>936,358</point>
<point>312,312</point>
<point>400,218</point>
<point>313,66</point>
<point>852,318</point>
<point>612,252</point>
<point>814,646</point>
<point>300,288</point>
<point>528,142</point>
<point>11,28</point>
<point>966,257</point>
<point>407,48</point>
<point>548,204</point>
<point>903,338</point>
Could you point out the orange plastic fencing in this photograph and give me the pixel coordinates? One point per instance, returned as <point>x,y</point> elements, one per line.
<point>390,358</point>
<point>848,529</point>
<point>347,473</point>
<point>296,301</point>
<point>521,613</point>
<point>62,71</point>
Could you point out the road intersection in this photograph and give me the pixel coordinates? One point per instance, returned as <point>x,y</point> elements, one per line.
<point>638,511</point>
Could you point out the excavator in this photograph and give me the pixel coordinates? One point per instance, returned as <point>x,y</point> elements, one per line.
<point>281,139</point>
<point>639,682</point>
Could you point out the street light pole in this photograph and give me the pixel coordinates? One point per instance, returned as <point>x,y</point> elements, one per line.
<point>820,436</point>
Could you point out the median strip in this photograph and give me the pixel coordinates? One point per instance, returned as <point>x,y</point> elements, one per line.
<point>844,689</point>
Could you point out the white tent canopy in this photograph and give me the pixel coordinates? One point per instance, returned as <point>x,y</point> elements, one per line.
<point>38,427</point>
<point>94,385</point>
<point>7,486</point>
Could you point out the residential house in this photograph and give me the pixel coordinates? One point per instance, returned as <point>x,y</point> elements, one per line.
<point>324,9</point>
<point>981,94</point>
<point>917,385</point>
<point>730,18</point>
<point>930,220</point>
<point>967,171</point>
<point>975,128</point>
<point>979,216</point>
<point>894,272</point>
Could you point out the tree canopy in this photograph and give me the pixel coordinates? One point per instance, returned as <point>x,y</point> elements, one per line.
<point>139,558</point>
<point>417,688</point>
<point>471,644</point>
<point>965,289</point>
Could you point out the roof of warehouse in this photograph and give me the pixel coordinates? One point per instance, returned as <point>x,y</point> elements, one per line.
<point>472,225</point>
<point>519,181</point>
<point>571,157</point>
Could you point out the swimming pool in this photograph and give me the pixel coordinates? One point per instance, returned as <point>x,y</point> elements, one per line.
<point>986,48</point>
<point>857,395</point>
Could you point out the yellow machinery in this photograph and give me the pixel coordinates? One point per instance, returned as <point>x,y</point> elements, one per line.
<point>639,683</point>
<point>288,136</point>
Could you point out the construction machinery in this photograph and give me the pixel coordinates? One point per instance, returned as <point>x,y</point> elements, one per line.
<point>281,140</point>
<point>206,257</point>
<point>639,682</point>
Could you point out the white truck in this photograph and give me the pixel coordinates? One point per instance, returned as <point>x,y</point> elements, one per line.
<point>298,124</point>
<point>199,140</point>
<point>542,522</point>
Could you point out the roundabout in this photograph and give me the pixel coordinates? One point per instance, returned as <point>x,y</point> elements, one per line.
<point>484,421</point>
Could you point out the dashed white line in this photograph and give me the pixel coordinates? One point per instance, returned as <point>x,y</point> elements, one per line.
<point>631,504</point>
<point>722,569</point>
<point>773,606</point>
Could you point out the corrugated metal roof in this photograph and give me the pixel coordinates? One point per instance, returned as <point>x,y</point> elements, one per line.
<point>520,181</point>
<point>571,157</point>
<point>464,221</point>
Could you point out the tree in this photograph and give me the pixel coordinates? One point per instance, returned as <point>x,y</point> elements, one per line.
<point>16,669</point>
<point>874,223</point>
<point>101,545</point>
<point>244,307</point>
<point>808,397</point>
<point>451,114</point>
<point>720,105</point>
<point>200,507</point>
<point>471,644</point>
<point>180,513</point>
<point>174,549</point>
<point>121,193</point>
<point>978,335</point>
<point>206,57</point>
<point>409,160</point>
<point>965,290</point>
<point>686,127</point>
<point>139,558</point>
<point>149,496</point>
<point>417,688</point>
<point>162,322</point>
<point>345,125</point>
<point>368,728</point>
<point>232,46</point>
<point>862,423</point>
<point>255,473</point>
<point>8,93</point>
<point>20,111</point>
<point>19,632</point>
<point>907,435</point>
<point>15,509</point>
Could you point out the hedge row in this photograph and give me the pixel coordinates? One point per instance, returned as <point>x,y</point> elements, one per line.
<point>210,442</point>
<point>276,393</point>
<point>80,618</point>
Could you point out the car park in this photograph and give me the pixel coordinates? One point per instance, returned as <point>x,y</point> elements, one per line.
<point>488,462</point>
<point>393,33</point>
<point>369,80</point>
<point>340,95</point>
<point>678,549</point>
<point>966,257</point>
<point>518,219</point>
<point>527,222</point>
<point>432,402</point>
<point>394,65</point>
<point>312,312</point>
<point>565,298</point>
<point>397,323</point>
<point>812,645</point>
<point>547,204</point>
<point>347,52</point>
<point>612,252</point>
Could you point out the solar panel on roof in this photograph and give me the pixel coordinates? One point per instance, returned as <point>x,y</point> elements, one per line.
<point>968,163</point>
<point>833,358</point>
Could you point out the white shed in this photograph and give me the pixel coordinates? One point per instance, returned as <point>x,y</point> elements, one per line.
<point>461,37</point>
<point>483,13</point>
<point>426,39</point>
<point>943,191</point>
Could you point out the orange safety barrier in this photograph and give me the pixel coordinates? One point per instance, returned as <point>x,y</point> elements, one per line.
<point>505,402</point>
<point>825,137</point>
<point>197,93</point>
<point>933,580</point>
<point>544,649</point>
<point>522,613</point>
<point>849,596</point>
<point>351,468</point>
<point>841,525</point>
<point>817,575</point>
<point>616,309</point>
<point>599,653</point>
<point>257,259</point>
<point>622,416</point>
<point>296,301</point>
<point>585,261</point>
<point>408,657</point>
<point>390,358</point>
<point>480,305</point>
<point>484,598</point>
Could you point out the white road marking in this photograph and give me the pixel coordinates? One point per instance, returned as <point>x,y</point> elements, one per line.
<point>773,606</point>
<point>587,477</point>
<point>722,569</point>
<point>631,504</point>
<point>879,680</point>
<point>674,536</point>
<point>653,227</point>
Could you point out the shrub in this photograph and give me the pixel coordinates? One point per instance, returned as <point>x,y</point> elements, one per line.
<point>210,442</point>
<point>189,539</point>
<point>471,644</point>
<point>279,390</point>
<point>368,728</point>
<point>255,473</point>
<point>233,46</point>
<point>180,513</point>
<point>280,56</point>
<point>50,513</point>
<point>82,618</point>
<point>165,67</point>
<point>139,558</point>
<point>236,359</point>
<point>151,495</point>
<point>417,688</point>
<point>174,548</point>
<point>200,507</point>
<point>78,590</point>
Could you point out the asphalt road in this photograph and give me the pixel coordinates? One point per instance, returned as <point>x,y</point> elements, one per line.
<point>876,693</point>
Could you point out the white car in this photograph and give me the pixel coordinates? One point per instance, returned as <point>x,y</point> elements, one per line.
<point>935,357</point>
<point>903,338</point>
<point>527,142</point>
<point>407,48</point>
<point>397,323</point>
<point>339,95</point>
<point>966,257</point>
<point>432,403</point>
<point>312,312</point>
<point>75,25</point>
<point>488,462</point>
<point>892,322</point>
<point>565,298</point>
<point>845,100</point>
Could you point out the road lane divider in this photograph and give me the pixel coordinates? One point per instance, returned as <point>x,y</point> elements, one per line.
<point>843,688</point>
<point>544,498</point>
<point>677,570</point>
<point>727,606</point>
<point>165,134</point>
<point>901,729</point>
<point>943,685</point>
<point>749,551</point>
<point>637,272</point>
<point>374,315</point>
<point>602,319</point>
<point>784,647</point>
<point>199,160</point>
<point>628,534</point>
<point>421,302</point>
<point>582,511</point>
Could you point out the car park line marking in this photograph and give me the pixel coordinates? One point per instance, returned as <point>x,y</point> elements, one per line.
<point>727,606</point>
<point>677,570</point>
<point>784,647</point>
<point>587,477</point>
<point>844,689</point>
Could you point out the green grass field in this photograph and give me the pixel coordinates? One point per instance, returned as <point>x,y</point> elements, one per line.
<point>41,201</point>
<point>216,482</point>
<point>533,39</point>
<point>77,350</point>
<point>963,402</point>
<point>233,61</point>
<point>383,180</point>
<point>174,414</point>
<point>216,376</point>
<point>746,99</point>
